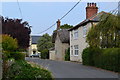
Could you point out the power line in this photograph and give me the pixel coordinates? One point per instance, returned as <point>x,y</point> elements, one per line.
<point>62,17</point>
<point>47,28</point>
<point>20,9</point>
<point>70,10</point>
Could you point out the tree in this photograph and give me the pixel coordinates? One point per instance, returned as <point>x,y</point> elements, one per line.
<point>66,26</point>
<point>17,29</point>
<point>45,42</point>
<point>106,34</point>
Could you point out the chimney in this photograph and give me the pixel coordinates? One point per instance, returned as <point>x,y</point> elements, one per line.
<point>91,9</point>
<point>58,24</point>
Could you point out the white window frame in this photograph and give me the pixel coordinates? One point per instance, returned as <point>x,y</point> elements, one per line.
<point>84,31</point>
<point>76,49</point>
<point>75,34</point>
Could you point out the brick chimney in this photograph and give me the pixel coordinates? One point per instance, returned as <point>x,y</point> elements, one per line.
<point>91,9</point>
<point>58,24</point>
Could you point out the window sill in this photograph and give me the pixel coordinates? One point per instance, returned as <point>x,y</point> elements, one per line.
<point>75,55</point>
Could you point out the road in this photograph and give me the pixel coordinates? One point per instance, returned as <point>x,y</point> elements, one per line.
<point>63,69</point>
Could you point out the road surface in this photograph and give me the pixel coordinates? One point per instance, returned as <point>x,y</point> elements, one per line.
<point>63,69</point>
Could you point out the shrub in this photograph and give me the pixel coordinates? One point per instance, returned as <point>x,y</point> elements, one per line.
<point>14,55</point>
<point>45,54</point>
<point>67,55</point>
<point>103,58</point>
<point>18,55</point>
<point>21,70</point>
<point>109,59</point>
<point>88,55</point>
<point>8,43</point>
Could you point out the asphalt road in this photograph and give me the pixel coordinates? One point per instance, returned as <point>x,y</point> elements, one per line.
<point>63,69</point>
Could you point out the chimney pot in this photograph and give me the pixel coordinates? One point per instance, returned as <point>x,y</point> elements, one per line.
<point>90,4</point>
<point>91,9</point>
<point>95,4</point>
<point>87,4</point>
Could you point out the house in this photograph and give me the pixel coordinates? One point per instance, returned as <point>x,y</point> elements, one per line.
<point>61,40</point>
<point>33,45</point>
<point>78,32</point>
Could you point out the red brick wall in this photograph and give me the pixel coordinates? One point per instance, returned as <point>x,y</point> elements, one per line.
<point>91,9</point>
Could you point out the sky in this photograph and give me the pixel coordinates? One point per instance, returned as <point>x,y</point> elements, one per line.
<point>41,15</point>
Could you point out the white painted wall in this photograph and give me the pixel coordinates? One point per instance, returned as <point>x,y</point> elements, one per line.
<point>81,42</point>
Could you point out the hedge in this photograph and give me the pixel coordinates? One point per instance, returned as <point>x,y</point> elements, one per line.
<point>18,55</point>
<point>14,55</point>
<point>108,59</point>
<point>21,70</point>
<point>45,54</point>
<point>67,55</point>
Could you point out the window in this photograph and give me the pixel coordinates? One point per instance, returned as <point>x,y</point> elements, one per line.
<point>76,34</point>
<point>84,31</point>
<point>71,50</point>
<point>76,50</point>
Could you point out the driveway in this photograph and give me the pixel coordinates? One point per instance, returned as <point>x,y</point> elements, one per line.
<point>63,69</point>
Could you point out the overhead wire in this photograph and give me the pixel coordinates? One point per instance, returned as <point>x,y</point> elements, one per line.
<point>61,17</point>
<point>20,9</point>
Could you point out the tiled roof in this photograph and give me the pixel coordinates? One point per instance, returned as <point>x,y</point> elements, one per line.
<point>35,39</point>
<point>94,18</point>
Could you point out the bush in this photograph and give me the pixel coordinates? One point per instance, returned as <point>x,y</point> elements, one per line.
<point>21,70</point>
<point>88,55</point>
<point>103,58</point>
<point>8,43</point>
<point>45,54</point>
<point>109,59</point>
<point>67,55</point>
<point>14,55</point>
<point>18,55</point>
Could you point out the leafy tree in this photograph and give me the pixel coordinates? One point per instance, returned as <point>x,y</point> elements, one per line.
<point>45,42</point>
<point>65,26</point>
<point>17,29</point>
<point>106,33</point>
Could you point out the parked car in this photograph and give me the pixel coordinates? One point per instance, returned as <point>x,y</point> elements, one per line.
<point>35,55</point>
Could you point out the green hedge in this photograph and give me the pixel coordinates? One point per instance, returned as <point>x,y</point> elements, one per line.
<point>45,54</point>
<point>103,58</point>
<point>15,55</point>
<point>89,54</point>
<point>21,70</point>
<point>18,55</point>
<point>67,55</point>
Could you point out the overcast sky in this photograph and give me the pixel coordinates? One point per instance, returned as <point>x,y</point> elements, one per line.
<point>41,15</point>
